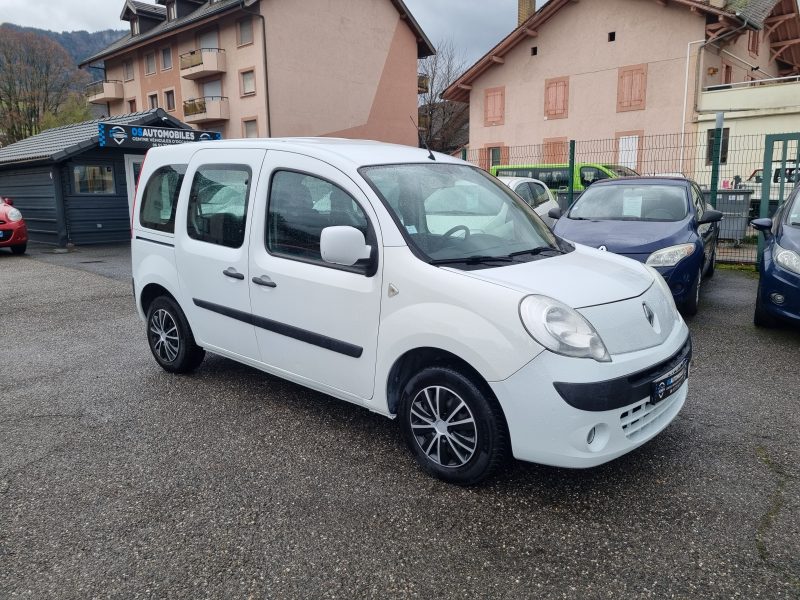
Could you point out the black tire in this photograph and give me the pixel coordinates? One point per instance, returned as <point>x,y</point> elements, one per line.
<point>690,305</point>
<point>761,318</point>
<point>19,248</point>
<point>712,264</point>
<point>176,352</point>
<point>459,399</point>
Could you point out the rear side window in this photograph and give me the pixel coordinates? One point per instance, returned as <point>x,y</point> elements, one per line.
<point>539,193</point>
<point>160,198</point>
<point>300,207</point>
<point>217,209</point>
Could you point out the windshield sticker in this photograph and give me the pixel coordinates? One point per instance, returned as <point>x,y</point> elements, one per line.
<point>632,205</point>
<point>411,229</point>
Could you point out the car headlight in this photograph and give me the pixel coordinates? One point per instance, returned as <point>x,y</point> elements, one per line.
<point>669,257</point>
<point>14,215</point>
<point>561,329</point>
<point>788,259</point>
<point>664,286</point>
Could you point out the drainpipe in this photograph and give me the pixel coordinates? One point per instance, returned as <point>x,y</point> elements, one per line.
<point>697,75</point>
<point>243,4</point>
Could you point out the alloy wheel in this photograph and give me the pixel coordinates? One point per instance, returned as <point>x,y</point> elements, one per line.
<point>443,426</point>
<point>164,335</point>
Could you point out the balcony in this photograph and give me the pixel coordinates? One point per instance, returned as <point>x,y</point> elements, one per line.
<point>423,83</point>
<point>766,96</point>
<point>100,92</point>
<point>202,63</point>
<point>206,109</point>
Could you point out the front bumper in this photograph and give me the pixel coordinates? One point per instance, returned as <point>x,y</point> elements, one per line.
<point>775,280</point>
<point>13,234</point>
<point>546,429</point>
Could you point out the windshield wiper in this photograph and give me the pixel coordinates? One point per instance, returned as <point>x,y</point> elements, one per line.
<point>795,224</point>
<point>535,251</point>
<point>470,260</point>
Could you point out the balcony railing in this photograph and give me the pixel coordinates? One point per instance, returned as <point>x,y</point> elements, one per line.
<point>104,90</point>
<point>195,57</point>
<point>423,83</point>
<point>760,94</point>
<point>207,108</point>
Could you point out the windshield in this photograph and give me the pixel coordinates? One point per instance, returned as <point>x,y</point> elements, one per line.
<point>457,213</point>
<point>632,202</point>
<point>793,212</point>
<point>621,171</point>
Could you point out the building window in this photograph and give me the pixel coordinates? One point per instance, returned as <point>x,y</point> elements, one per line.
<point>247,83</point>
<point>612,36</point>
<point>134,26</point>
<point>131,106</point>
<point>244,31</point>
<point>753,42</point>
<point>723,155</point>
<point>93,179</point>
<point>556,98</point>
<point>166,59</point>
<point>534,50</point>
<point>632,88</point>
<point>727,73</point>
<point>150,63</point>
<point>494,106</point>
<point>250,128</point>
<point>218,204</point>
<point>127,70</point>
<point>160,198</point>
<point>169,99</point>
<point>495,155</point>
<point>152,100</point>
<point>172,11</point>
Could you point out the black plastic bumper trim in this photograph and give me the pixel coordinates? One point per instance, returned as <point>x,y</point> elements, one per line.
<point>315,339</point>
<point>622,391</point>
<point>144,239</point>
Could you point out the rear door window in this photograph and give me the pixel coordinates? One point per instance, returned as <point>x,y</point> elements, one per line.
<point>218,204</point>
<point>160,198</point>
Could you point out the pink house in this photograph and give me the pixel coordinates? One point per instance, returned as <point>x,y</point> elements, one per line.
<point>251,68</point>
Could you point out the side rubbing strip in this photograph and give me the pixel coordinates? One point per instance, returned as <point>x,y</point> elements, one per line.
<point>296,333</point>
<point>144,239</point>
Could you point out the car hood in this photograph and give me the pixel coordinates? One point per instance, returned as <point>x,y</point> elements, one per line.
<point>789,238</point>
<point>625,237</point>
<point>582,278</point>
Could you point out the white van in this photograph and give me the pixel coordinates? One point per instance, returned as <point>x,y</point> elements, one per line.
<point>414,285</point>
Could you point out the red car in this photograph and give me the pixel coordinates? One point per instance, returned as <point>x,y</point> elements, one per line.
<point>13,231</point>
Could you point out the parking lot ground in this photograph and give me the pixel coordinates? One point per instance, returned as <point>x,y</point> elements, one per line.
<point>118,480</point>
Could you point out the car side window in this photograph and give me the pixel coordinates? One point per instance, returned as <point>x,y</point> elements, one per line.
<point>217,210</point>
<point>160,198</point>
<point>300,207</point>
<point>699,202</point>
<point>524,190</point>
<point>589,175</point>
<point>539,193</point>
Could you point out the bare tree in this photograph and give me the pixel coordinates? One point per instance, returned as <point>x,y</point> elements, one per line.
<point>442,121</point>
<point>36,76</point>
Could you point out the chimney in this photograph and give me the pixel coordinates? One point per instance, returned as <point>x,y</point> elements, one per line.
<point>526,9</point>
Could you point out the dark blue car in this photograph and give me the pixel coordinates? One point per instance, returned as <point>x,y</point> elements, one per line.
<point>779,287</point>
<point>661,221</point>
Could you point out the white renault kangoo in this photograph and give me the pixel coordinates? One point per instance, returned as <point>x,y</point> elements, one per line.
<point>412,284</point>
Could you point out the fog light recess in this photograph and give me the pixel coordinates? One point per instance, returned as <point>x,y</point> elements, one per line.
<point>597,437</point>
<point>777,298</point>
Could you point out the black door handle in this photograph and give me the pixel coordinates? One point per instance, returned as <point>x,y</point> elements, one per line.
<point>233,273</point>
<point>265,281</point>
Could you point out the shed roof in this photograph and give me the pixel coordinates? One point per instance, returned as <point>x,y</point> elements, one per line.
<point>54,145</point>
<point>208,9</point>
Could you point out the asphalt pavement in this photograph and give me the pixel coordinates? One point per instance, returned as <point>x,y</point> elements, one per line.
<point>118,480</point>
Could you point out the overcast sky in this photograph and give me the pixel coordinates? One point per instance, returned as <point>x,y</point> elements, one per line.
<point>473,25</point>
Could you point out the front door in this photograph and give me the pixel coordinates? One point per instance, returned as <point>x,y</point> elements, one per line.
<point>316,323</point>
<point>133,166</point>
<point>212,255</point>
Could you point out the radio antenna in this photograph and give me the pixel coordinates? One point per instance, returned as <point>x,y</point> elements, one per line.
<point>422,139</point>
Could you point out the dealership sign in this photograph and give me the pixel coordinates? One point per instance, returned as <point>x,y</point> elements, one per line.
<point>129,136</point>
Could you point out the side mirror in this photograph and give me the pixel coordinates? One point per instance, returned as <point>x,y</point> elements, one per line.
<point>554,213</point>
<point>710,216</point>
<point>343,245</point>
<point>764,225</point>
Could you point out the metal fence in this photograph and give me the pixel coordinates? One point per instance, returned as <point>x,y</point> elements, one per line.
<point>738,189</point>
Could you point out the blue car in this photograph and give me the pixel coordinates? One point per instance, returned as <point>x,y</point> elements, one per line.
<point>661,221</point>
<point>778,297</point>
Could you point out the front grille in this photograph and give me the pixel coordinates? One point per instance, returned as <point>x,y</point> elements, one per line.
<point>642,419</point>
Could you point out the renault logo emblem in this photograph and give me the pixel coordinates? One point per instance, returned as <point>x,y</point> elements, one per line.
<point>648,313</point>
<point>603,248</point>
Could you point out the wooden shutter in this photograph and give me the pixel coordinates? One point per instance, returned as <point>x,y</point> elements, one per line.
<point>632,88</point>
<point>555,150</point>
<point>494,106</point>
<point>556,98</point>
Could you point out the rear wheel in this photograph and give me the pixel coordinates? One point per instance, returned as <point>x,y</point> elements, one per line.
<point>693,297</point>
<point>455,432</point>
<point>19,248</point>
<point>761,318</point>
<point>170,337</point>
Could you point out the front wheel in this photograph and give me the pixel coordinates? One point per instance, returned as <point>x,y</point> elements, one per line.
<point>693,297</point>
<point>712,264</point>
<point>761,318</point>
<point>170,337</point>
<point>455,432</point>
<point>19,248</point>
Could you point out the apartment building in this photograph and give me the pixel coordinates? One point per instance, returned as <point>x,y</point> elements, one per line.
<point>625,69</point>
<point>252,68</point>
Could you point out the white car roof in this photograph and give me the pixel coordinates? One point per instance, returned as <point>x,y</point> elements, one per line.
<point>512,181</point>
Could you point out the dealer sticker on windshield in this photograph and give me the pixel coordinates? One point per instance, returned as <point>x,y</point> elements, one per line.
<point>668,384</point>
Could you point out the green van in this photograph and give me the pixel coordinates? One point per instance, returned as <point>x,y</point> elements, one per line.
<point>556,177</point>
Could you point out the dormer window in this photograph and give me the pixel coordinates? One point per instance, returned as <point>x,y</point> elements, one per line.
<point>172,11</point>
<point>134,26</point>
